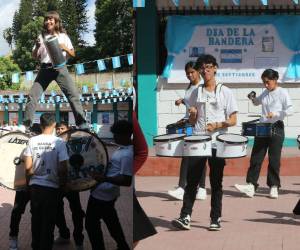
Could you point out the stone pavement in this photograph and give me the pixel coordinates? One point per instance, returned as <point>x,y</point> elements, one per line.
<point>258,223</point>
<point>124,208</point>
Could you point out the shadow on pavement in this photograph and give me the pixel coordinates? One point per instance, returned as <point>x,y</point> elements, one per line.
<point>279,218</point>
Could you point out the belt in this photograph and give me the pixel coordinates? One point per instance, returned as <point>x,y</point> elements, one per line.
<point>46,65</point>
<point>278,124</point>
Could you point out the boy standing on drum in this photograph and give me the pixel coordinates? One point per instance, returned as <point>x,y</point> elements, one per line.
<point>276,105</point>
<point>53,27</point>
<point>215,110</point>
<point>46,168</point>
<point>101,204</point>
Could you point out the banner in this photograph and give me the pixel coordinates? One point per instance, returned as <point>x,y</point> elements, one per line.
<point>243,46</point>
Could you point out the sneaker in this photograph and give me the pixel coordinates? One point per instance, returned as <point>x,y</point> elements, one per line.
<point>79,247</point>
<point>215,225</point>
<point>177,193</point>
<point>247,189</point>
<point>61,240</point>
<point>201,194</point>
<point>13,243</point>
<point>274,192</point>
<point>182,222</point>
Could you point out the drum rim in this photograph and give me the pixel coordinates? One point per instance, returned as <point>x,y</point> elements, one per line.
<point>155,139</point>
<point>186,139</point>
<point>231,142</point>
<point>16,132</point>
<point>258,123</point>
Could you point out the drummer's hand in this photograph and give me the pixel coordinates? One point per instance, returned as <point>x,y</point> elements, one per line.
<point>63,47</point>
<point>270,115</point>
<point>193,112</point>
<point>211,127</point>
<point>37,42</point>
<point>179,101</point>
<point>97,176</point>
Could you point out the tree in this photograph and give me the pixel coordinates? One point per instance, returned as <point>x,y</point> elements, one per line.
<point>114,29</point>
<point>7,67</point>
<point>22,17</point>
<point>74,17</point>
<point>40,7</point>
<point>7,35</point>
<point>24,44</point>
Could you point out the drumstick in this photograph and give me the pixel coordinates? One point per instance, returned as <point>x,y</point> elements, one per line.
<point>254,115</point>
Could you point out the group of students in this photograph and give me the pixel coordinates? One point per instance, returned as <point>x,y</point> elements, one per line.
<point>211,108</point>
<point>45,160</point>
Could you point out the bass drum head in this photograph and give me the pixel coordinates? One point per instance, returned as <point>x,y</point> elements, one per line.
<point>12,169</point>
<point>87,153</point>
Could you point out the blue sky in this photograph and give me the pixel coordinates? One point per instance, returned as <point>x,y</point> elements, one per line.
<point>8,8</point>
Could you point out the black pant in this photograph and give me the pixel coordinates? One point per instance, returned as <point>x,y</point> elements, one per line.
<point>77,217</point>
<point>44,201</point>
<point>195,170</point>
<point>261,145</point>
<point>21,199</point>
<point>183,174</point>
<point>97,210</point>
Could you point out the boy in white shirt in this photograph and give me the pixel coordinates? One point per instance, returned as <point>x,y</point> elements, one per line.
<point>46,168</point>
<point>214,111</point>
<point>102,200</point>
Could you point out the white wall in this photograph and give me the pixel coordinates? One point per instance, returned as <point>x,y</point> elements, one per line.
<point>169,113</point>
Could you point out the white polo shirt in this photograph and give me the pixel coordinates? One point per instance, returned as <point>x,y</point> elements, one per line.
<point>190,98</point>
<point>277,101</point>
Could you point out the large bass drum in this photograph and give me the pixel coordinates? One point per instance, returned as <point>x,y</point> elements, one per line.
<point>87,153</point>
<point>12,169</point>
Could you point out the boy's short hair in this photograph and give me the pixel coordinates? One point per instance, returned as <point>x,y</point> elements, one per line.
<point>47,119</point>
<point>36,128</point>
<point>206,59</point>
<point>122,127</point>
<point>62,123</point>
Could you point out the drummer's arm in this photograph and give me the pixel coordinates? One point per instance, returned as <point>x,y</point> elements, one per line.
<point>28,168</point>
<point>231,121</point>
<point>192,115</point>
<point>70,52</point>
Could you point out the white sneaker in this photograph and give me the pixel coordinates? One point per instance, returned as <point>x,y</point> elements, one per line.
<point>247,189</point>
<point>201,194</point>
<point>13,243</point>
<point>274,192</point>
<point>177,193</point>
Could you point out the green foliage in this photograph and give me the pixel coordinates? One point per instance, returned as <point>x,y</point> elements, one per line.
<point>114,29</point>
<point>27,35</point>
<point>7,67</point>
<point>74,18</point>
<point>8,36</point>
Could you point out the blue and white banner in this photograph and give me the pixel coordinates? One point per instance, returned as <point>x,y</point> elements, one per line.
<point>130,59</point>
<point>101,65</point>
<point>138,3</point>
<point>244,46</point>
<point>116,62</point>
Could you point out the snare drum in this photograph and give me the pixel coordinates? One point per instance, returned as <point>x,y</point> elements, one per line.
<point>12,169</point>
<point>257,129</point>
<point>169,145</point>
<point>197,145</point>
<point>87,153</point>
<point>231,146</point>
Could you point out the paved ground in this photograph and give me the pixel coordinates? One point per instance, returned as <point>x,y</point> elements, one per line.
<point>259,223</point>
<point>124,207</point>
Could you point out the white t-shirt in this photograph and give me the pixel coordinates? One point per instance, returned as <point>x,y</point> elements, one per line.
<point>190,98</point>
<point>277,101</point>
<point>42,52</point>
<point>46,152</point>
<point>121,164</point>
<point>212,107</point>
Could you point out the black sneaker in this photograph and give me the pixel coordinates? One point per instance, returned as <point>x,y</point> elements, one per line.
<point>182,222</point>
<point>215,225</point>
